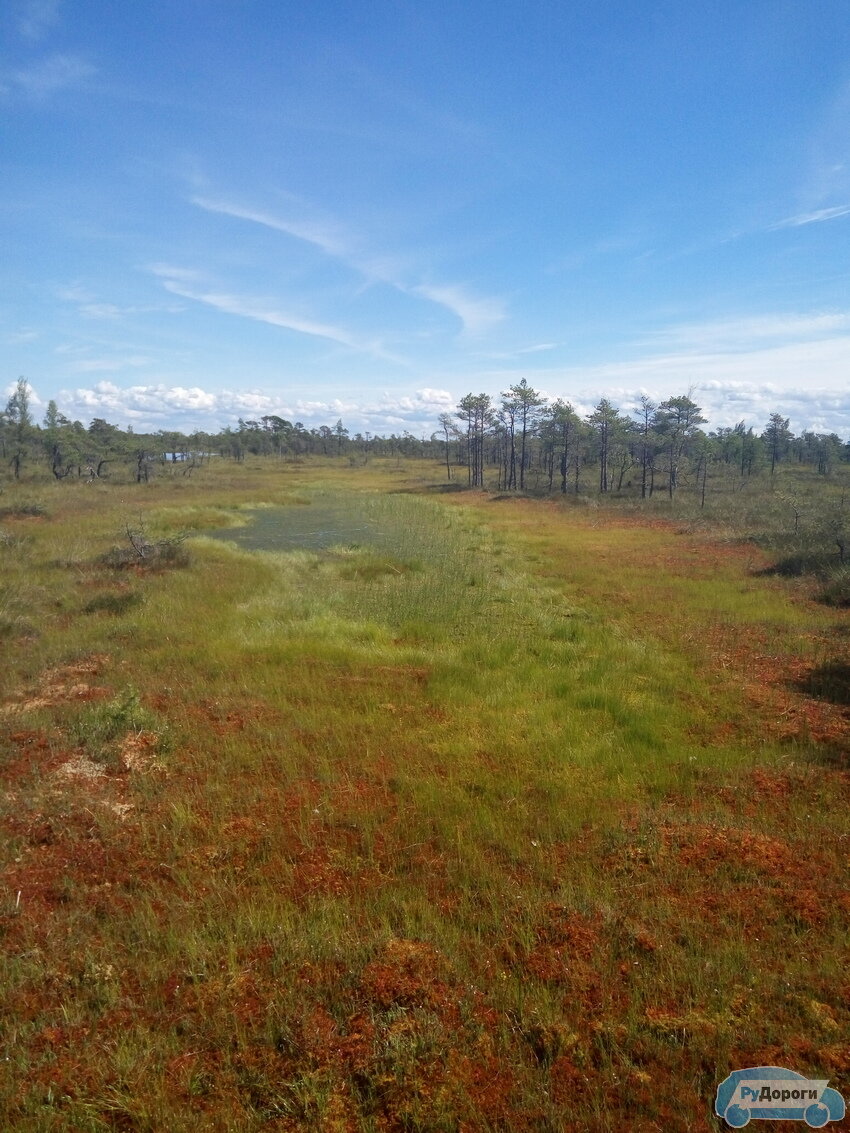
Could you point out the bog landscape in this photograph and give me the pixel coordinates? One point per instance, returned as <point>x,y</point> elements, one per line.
<point>492,782</point>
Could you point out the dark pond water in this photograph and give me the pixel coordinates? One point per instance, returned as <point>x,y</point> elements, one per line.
<point>310,527</point>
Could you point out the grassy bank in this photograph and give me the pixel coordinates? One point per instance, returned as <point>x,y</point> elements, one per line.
<point>499,815</point>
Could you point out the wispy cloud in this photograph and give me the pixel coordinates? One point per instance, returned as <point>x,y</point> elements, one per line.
<point>477,314</point>
<point>107,311</point>
<point>753,333</point>
<point>47,77</point>
<point>521,351</point>
<point>262,310</point>
<point>89,306</point>
<point>812,217</point>
<point>329,238</point>
<point>538,348</point>
<point>190,284</point>
<point>37,17</point>
<point>173,272</point>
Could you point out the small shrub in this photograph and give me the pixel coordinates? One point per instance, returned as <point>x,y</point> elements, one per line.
<point>102,728</point>
<point>800,563</point>
<point>836,592</point>
<point>147,553</point>
<point>10,543</point>
<point>11,627</point>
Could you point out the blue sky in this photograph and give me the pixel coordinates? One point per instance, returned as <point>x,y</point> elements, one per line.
<point>221,208</point>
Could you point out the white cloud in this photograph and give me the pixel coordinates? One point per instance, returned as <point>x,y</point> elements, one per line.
<point>477,315</point>
<point>329,238</point>
<point>262,310</point>
<point>48,76</point>
<point>172,272</point>
<point>734,376</point>
<point>504,355</point>
<point>265,311</point>
<point>101,311</point>
<point>727,395</point>
<point>812,217</point>
<point>162,405</point>
<point>541,346</point>
<point>753,333</point>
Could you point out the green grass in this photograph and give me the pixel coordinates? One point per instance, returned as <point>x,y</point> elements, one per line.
<point>498,815</point>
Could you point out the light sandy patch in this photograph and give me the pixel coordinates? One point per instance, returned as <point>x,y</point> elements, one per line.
<point>31,705</point>
<point>138,751</point>
<point>85,667</point>
<point>81,768</point>
<point>121,809</point>
<point>62,684</point>
<point>52,695</point>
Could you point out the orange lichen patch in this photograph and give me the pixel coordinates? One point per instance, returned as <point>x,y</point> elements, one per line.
<point>355,1047</point>
<point>806,906</point>
<point>244,829</point>
<point>771,783</point>
<point>706,846</point>
<point>569,929</point>
<point>408,973</point>
<point>222,719</point>
<point>568,1082</point>
<point>316,872</point>
<point>778,683</point>
<point>50,875</point>
<point>320,1037</point>
<point>790,715</point>
<point>303,794</point>
<point>551,964</point>
<point>37,754</point>
<point>567,943</point>
<point>31,740</point>
<point>835,1057</point>
<point>483,1087</point>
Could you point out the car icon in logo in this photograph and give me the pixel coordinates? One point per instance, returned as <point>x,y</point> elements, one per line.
<point>772,1093</point>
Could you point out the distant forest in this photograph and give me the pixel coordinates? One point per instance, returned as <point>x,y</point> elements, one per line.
<point>522,442</point>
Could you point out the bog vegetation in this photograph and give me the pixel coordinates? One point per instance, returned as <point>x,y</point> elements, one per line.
<point>338,798</point>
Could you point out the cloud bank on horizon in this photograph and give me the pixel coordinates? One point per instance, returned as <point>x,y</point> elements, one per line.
<point>280,209</point>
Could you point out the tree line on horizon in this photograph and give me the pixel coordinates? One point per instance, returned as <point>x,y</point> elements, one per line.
<point>532,443</point>
<point>522,441</point>
<point>70,448</point>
